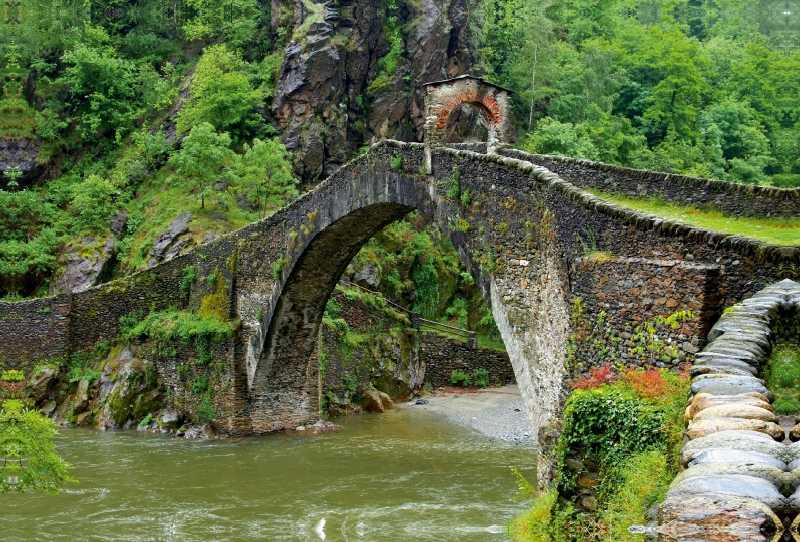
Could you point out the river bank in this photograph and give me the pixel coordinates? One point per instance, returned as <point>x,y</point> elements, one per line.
<point>498,413</point>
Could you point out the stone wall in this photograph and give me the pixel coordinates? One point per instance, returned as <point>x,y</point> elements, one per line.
<point>614,295</point>
<point>730,198</point>
<point>34,330</point>
<point>442,355</point>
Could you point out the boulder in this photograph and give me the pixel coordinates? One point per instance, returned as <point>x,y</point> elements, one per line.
<point>87,265</point>
<point>736,410</point>
<point>169,420</point>
<point>41,383</point>
<point>729,385</point>
<point>737,485</point>
<point>118,222</point>
<point>168,237</point>
<point>376,401</point>
<point>702,401</point>
<point>81,397</point>
<point>748,441</point>
<point>717,518</point>
<point>707,426</point>
<point>367,276</point>
<point>770,473</point>
<point>794,433</point>
<point>728,456</point>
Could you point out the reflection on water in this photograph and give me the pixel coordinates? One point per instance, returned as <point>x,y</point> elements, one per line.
<point>404,475</point>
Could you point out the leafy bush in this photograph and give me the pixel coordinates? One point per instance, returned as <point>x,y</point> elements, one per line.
<point>189,278</point>
<point>460,378</point>
<point>480,378</point>
<point>12,375</point>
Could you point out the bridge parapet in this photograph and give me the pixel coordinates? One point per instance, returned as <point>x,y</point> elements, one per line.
<point>732,199</point>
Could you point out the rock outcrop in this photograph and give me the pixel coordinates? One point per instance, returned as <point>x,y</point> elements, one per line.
<point>87,265</point>
<point>172,240</point>
<point>327,100</point>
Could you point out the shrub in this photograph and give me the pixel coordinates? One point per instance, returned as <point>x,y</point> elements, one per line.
<point>12,375</point>
<point>480,378</point>
<point>598,376</point>
<point>189,278</point>
<point>460,378</point>
<point>397,162</point>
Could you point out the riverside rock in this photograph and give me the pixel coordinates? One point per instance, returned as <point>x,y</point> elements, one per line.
<point>376,401</point>
<point>41,383</point>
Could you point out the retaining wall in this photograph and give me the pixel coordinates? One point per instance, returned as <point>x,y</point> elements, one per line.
<point>442,356</point>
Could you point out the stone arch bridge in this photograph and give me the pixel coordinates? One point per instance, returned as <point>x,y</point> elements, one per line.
<point>528,234</point>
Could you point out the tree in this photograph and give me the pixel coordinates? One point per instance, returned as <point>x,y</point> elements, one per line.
<point>221,94</point>
<point>92,203</point>
<point>562,138</point>
<point>265,175</point>
<point>103,86</point>
<point>29,456</point>
<point>205,157</point>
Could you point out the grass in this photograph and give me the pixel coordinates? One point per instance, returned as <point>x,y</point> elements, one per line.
<point>783,379</point>
<point>778,231</point>
<point>159,203</point>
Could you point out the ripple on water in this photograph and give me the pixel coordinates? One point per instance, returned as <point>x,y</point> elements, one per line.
<point>407,473</point>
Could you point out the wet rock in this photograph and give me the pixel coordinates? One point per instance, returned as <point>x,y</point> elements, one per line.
<point>702,428</point>
<point>734,410</point>
<point>376,401</point>
<point>737,485</point>
<point>573,464</point>
<point>48,408</point>
<point>770,473</point>
<point>118,222</point>
<point>41,383</point>
<point>201,431</point>
<point>702,401</point>
<point>167,238</point>
<point>169,420</point>
<point>734,457</point>
<point>132,397</point>
<point>81,397</point>
<point>86,266</point>
<point>589,502</point>
<point>717,518</point>
<point>588,481</point>
<point>322,426</point>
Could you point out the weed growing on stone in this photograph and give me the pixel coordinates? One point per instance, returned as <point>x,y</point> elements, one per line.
<point>397,162</point>
<point>783,379</point>
<point>189,278</point>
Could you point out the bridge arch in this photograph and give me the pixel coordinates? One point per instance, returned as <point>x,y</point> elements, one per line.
<point>349,209</point>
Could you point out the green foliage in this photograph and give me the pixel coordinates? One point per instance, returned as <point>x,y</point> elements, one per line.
<point>92,203</point>
<point>102,85</point>
<point>480,378</point>
<point>221,93</point>
<point>460,378</point>
<point>13,375</point>
<point>396,162</point>
<point>264,176</point>
<point>28,435</point>
<point>387,65</point>
<point>189,278</point>
<point>651,86</point>
<point>205,158</point>
<point>783,379</point>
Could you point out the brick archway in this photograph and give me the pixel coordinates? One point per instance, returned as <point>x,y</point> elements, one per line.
<point>443,97</point>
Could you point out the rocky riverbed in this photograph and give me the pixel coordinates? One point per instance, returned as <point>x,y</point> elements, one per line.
<point>498,413</point>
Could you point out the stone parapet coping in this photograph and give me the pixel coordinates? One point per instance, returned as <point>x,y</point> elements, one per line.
<point>739,469</point>
<point>682,180</point>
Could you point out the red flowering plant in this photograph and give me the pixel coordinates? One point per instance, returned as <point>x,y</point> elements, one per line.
<point>598,376</point>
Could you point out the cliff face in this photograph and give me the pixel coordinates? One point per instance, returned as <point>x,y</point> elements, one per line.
<point>334,93</point>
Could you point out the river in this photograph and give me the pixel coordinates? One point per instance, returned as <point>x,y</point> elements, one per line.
<point>403,475</point>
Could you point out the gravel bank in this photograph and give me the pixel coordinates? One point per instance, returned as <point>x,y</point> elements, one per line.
<point>497,413</point>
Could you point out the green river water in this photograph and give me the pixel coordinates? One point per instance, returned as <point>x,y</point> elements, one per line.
<point>404,475</point>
